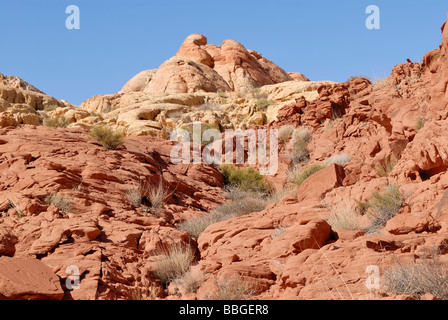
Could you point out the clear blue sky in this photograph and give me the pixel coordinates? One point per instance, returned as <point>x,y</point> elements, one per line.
<point>325,40</point>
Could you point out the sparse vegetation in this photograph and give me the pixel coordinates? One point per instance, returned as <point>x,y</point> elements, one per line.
<point>173,262</point>
<point>285,132</point>
<point>13,204</point>
<point>420,124</point>
<point>234,289</point>
<point>147,192</point>
<point>191,281</point>
<point>343,217</point>
<point>241,203</point>
<point>356,77</point>
<point>108,137</point>
<point>300,139</point>
<point>61,122</point>
<point>417,278</point>
<point>263,104</point>
<point>195,135</point>
<point>60,201</point>
<point>157,196</point>
<point>383,206</point>
<point>384,167</point>
<point>49,108</point>
<point>381,84</point>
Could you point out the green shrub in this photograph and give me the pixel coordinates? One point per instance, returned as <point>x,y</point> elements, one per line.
<point>108,137</point>
<point>383,206</point>
<point>247,179</point>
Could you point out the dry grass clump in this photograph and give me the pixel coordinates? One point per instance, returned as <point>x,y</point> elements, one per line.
<point>108,137</point>
<point>49,108</point>
<point>191,281</point>
<point>173,262</point>
<point>285,132</point>
<point>147,195</point>
<point>234,289</point>
<point>263,104</point>
<point>385,166</point>
<point>300,139</point>
<point>241,203</point>
<point>61,122</point>
<point>412,278</point>
<point>381,83</point>
<point>343,217</point>
<point>60,201</point>
<point>383,206</point>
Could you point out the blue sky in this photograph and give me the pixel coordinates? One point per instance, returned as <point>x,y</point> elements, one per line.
<point>323,39</point>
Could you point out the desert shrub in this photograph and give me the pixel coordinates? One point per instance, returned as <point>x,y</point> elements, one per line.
<point>307,172</point>
<point>412,278</point>
<point>285,132</point>
<point>300,139</point>
<point>246,179</point>
<point>191,281</point>
<point>385,166</point>
<point>108,137</point>
<point>234,289</point>
<point>173,262</point>
<point>383,206</point>
<point>61,122</point>
<point>420,124</point>
<point>263,103</point>
<point>60,201</point>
